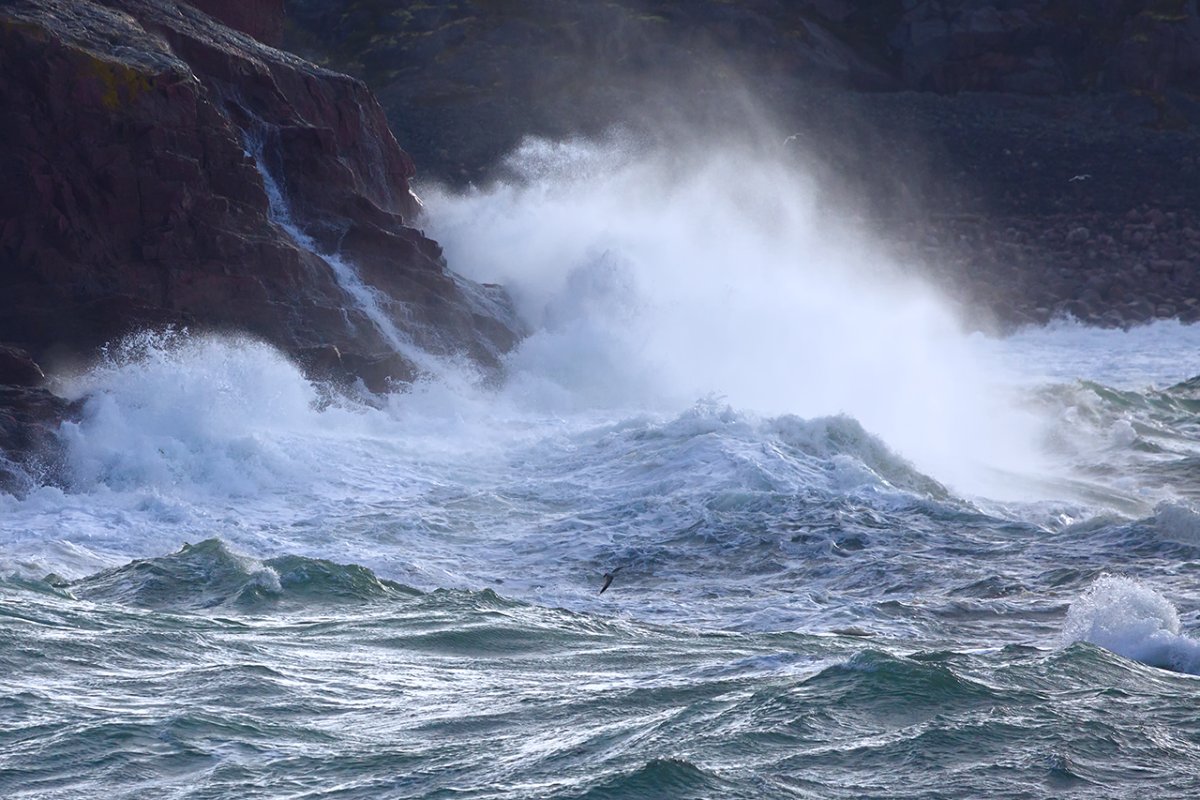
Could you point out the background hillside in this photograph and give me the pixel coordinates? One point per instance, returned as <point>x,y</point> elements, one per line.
<point>956,126</point>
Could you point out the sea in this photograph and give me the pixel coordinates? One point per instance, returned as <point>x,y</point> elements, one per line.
<point>857,547</point>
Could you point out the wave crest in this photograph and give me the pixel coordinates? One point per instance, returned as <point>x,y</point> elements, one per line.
<point>661,777</point>
<point>840,438</point>
<point>1178,523</point>
<point>165,409</point>
<point>1134,621</point>
<point>209,575</point>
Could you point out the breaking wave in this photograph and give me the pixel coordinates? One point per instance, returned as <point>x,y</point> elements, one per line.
<point>1134,621</point>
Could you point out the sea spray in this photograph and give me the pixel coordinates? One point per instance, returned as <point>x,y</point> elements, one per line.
<point>1161,353</point>
<point>1178,522</point>
<point>721,404</point>
<point>166,409</point>
<point>651,278</point>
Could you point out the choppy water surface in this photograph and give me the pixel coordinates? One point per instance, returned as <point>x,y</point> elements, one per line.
<point>858,554</point>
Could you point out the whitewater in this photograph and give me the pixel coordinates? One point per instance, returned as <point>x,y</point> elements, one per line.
<point>857,551</point>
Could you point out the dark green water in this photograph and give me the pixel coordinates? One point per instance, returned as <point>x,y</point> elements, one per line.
<point>799,612</point>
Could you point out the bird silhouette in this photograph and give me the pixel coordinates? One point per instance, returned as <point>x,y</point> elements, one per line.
<point>608,578</point>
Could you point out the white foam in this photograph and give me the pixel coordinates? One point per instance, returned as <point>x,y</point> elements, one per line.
<point>210,412</point>
<point>649,280</point>
<point>653,278</point>
<point>1134,621</point>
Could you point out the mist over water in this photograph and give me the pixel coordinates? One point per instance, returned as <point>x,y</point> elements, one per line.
<point>652,278</point>
<point>846,537</point>
<point>697,290</point>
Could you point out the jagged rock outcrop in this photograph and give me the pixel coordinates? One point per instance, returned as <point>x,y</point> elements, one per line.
<point>18,369</point>
<point>131,195</point>
<point>160,168</point>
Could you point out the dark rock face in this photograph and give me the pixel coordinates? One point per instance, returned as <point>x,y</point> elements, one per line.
<point>29,449</point>
<point>18,369</point>
<point>463,81</point>
<point>1049,46</point>
<point>130,198</point>
<point>30,453</point>
<point>262,19</point>
<point>1109,270</point>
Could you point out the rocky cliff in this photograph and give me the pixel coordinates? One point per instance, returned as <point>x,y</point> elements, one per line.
<point>160,168</point>
<point>132,195</point>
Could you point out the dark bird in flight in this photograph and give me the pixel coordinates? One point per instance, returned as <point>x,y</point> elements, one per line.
<point>608,578</point>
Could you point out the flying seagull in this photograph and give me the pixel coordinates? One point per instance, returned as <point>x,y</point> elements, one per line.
<point>1083,177</point>
<point>608,578</point>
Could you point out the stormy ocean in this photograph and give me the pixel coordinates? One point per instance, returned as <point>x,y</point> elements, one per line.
<point>855,552</point>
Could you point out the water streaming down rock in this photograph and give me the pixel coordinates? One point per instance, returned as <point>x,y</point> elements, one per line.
<point>367,299</point>
<point>159,217</point>
<point>130,203</point>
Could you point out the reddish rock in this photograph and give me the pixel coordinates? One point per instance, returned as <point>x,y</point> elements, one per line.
<point>30,452</point>
<point>381,374</point>
<point>323,362</point>
<point>130,197</point>
<point>262,19</point>
<point>18,369</point>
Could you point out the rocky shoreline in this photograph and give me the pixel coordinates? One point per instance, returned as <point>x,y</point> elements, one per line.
<point>163,170</point>
<point>30,415</point>
<point>166,164</point>
<point>1101,269</point>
